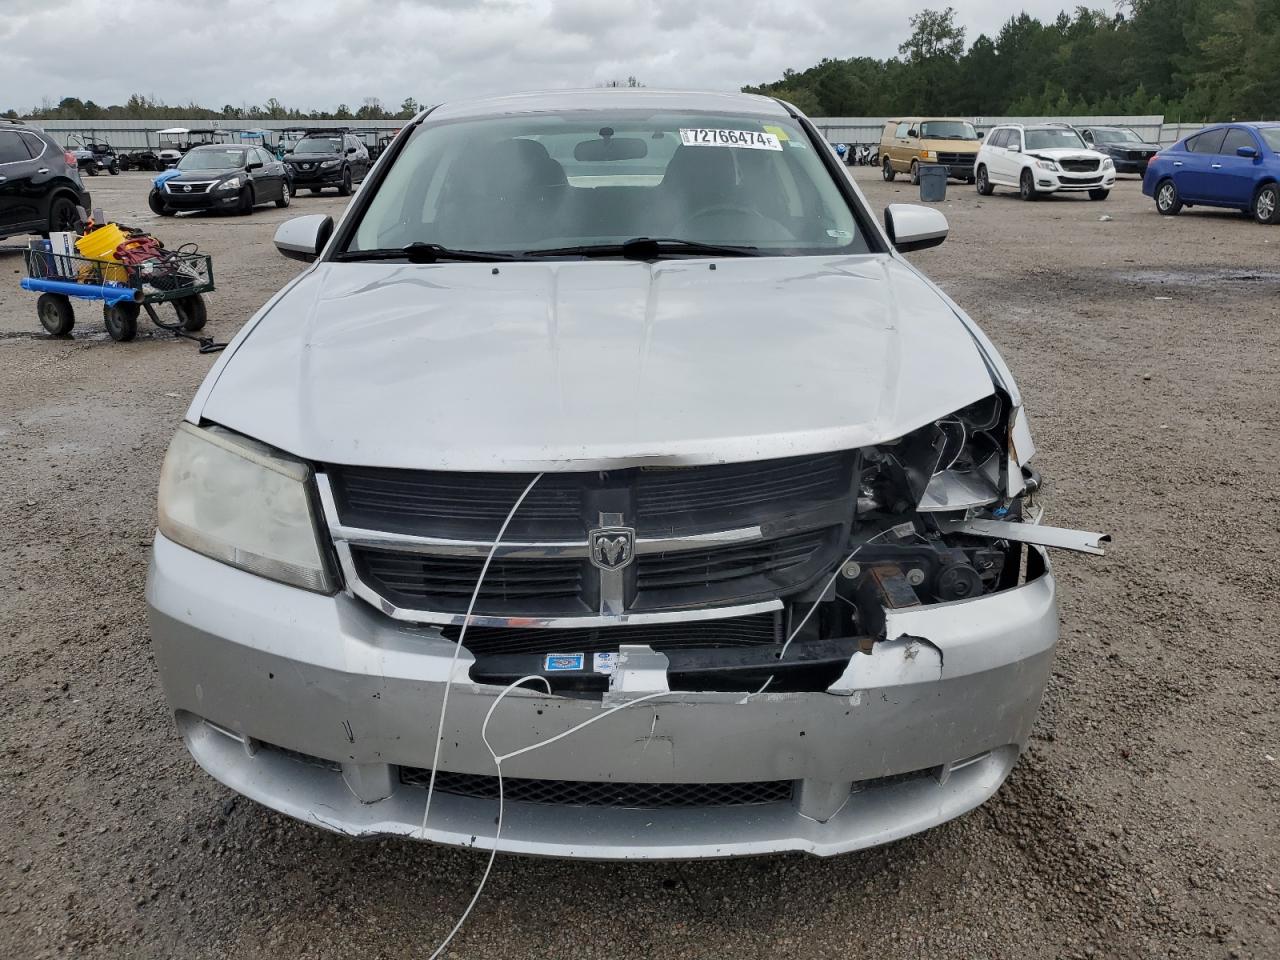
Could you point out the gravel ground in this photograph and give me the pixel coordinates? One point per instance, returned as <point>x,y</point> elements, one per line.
<point>1142,822</point>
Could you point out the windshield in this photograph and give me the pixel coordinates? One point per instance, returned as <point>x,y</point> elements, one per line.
<point>1271,137</point>
<point>1116,135</point>
<point>948,130</point>
<point>519,184</point>
<point>318,145</point>
<point>212,159</point>
<point>1049,139</point>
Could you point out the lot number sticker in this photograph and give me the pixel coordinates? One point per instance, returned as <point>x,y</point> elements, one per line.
<point>715,137</point>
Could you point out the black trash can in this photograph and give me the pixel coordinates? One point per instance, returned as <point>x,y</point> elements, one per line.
<point>933,182</point>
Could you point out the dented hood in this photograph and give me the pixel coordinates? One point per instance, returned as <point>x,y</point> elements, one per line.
<point>570,365</point>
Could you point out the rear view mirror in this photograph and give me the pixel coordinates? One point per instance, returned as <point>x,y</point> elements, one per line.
<point>1015,148</point>
<point>255,165</point>
<point>610,148</point>
<point>302,238</point>
<point>914,227</point>
<point>1249,152</point>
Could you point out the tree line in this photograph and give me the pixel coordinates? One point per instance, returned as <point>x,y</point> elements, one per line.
<point>1189,60</point>
<point>140,107</point>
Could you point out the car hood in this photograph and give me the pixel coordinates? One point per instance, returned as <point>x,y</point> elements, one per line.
<point>574,364</point>
<point>1129,145</point>
<point>202,176</point>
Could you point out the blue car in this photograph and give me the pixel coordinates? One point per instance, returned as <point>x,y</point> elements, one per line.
<point>1232,165</point>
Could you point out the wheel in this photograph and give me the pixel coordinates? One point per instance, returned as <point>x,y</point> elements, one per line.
<point>245,206</point>
<point>191,312</point>
<point>285,196</point>
<point>93,169</point>
<point>114,169</point>
<point>1167,200</point>
<point>121,320</point>
<point>915,174</point>
<point>1098,194</point>
<point>1266,204</point>
<point>345,189</point>
<point>157,204</point>
<point>887,171</point>
<point>314,189</point>
<point>985,188</point>
<point>1026,186</point>
<point>55,313</point>
<point>62,213</point>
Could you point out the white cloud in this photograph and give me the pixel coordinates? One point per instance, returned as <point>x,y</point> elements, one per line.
<point>328,52</point>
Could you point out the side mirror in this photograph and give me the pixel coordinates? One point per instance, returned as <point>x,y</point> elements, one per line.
<point>172,166</point>
<point>1249,152</point>
<point>1014,148</point>
<point>913,227</point>
<point>351,149</point>
<point>912,132</point>
<point>255,165</point>
<point>302,238</point>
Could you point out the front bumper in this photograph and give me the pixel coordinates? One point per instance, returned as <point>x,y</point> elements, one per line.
<point>1049,181</point>
<point>209,200</point>
<point>310,705</point>
<point>316,177</point>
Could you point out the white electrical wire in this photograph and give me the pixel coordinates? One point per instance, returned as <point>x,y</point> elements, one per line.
<point>498,758</point>
<point>453,663</point>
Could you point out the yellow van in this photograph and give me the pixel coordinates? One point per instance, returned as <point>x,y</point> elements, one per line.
<point>950,141</point>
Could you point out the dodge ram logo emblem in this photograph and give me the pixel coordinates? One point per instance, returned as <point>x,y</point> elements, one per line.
<point>612,548</point>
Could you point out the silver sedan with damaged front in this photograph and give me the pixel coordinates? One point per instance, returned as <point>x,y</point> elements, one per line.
<point>608,437</point>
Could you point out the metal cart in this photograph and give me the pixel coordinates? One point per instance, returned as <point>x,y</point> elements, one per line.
<point>125,289</point>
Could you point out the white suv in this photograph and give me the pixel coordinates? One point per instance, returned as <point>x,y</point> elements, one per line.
<point>1041,159</point>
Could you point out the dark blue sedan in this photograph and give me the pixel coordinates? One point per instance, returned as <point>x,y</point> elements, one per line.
<point>1233,165</point>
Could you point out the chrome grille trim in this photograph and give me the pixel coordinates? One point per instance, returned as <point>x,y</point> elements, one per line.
<point>357,587</point>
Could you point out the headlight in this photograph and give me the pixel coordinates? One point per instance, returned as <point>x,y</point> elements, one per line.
<point>240,502</point>
<point>331,163</point>
<point>232,184</point>
<point>1106,163</point>
<point>1046,165</point>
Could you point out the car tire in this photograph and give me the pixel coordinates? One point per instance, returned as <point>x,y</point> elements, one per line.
<point>114,169</point>
<point>55,313</point>
<point>983,182</point>
<point>1266,204</point>
<point>285,196</point>
<point>1027,186</point>
<point>1099,194</point>
<point>93,170</point>
<point>345,189</point>
<point>157,204</point>
<point>887,171</point>
<point>915,174</point>
<point>1168,203</point>
<point>62,213</point>
<point>121,321</point>
<point>191,312</point>
<point>245,206</point>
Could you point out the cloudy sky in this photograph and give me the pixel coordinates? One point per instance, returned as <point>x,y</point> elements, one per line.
<point>318,53</point>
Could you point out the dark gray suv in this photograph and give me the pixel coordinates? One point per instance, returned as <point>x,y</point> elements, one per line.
<point>40,185</point>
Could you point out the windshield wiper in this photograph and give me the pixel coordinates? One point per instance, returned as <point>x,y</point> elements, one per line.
<point>648,248</point>
<point>425,253</point>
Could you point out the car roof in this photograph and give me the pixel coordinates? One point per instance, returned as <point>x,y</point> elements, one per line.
<point>628,98</point>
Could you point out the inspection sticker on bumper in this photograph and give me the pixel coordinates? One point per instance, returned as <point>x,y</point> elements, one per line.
<point>563,661</point>
<point>715,137</point>
<point>604,662</point>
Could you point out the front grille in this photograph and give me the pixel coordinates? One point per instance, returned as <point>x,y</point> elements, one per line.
<point>564,506</point>
<point>756,630</point>
<point>181,188</point>
<point>957,159</point>
<point>1079,165</point>
<point>574,793</point>
<point>767,560</point>
<point>299,757</point>
<point>523,587</point>
<point>1083,181</point>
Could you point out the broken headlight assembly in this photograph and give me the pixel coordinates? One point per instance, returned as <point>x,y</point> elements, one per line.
<point>244,504</point>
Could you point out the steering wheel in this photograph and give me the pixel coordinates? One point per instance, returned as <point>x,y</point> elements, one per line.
<point>716,209</point>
